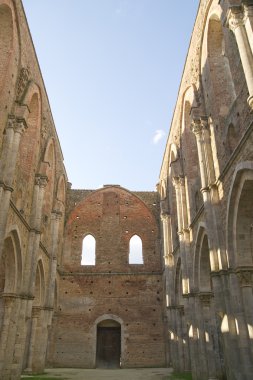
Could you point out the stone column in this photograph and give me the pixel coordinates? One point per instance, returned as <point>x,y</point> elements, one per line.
<point>32,343</point>
<point>34,235</point>
<point>183,232</point>
<point>236,22</point>
<point>200,128</point>
<point>8,334</point>
<point>248,17</point>
<point>245,277</point>
<point>207,335</point>
<point>13,132</point>
<point>56,220</point>
<point>168,256</point>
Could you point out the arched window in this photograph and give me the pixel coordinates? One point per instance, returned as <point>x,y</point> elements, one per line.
<point>89,251</point>
<point>135,250</point>
<point>220,74</point>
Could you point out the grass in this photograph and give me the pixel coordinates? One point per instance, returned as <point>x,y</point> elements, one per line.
<point>181,376</point>
<point>40,377</point>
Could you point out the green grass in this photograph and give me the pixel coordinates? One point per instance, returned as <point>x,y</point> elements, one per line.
<point>181,376</point>
<point>40,377</point>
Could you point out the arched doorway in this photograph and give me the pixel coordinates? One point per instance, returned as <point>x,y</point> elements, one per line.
<point>108,351</point>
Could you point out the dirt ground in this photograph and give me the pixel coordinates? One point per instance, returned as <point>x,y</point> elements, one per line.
<point>110,374</point>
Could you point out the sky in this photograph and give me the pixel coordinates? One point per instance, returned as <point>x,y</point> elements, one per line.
<point>112,69</point>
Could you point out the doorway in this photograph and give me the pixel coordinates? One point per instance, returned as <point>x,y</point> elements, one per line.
<point>108,344</point>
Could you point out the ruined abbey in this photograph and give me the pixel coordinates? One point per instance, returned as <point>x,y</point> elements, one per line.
<point>186,299</point>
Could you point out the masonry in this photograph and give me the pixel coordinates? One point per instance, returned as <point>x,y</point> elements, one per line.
<point>113,289</point>
<point>187,297</point>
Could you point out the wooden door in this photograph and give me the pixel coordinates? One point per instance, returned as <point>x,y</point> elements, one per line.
<point>108,347</point>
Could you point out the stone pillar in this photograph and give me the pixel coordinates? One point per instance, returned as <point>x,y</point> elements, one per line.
<point>236,22</point>
<point>245,318</point>
<point>208,319</point>
<point>8,335</point>
<point>200,128</point>
<point>34,235</point>
<point>183,232</point>
<point>56,219</point>
<point>13,132</point>
<point>168,257</point>
<point>32,343</point>
<point>193,335</point>
<point>248,17</point>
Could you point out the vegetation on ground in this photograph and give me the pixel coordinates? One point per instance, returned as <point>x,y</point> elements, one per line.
<point>40,377</point>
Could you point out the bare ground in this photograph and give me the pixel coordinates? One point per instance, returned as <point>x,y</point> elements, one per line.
<point>110,374</point>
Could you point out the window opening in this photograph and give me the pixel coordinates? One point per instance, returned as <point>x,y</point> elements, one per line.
<point>135,250</point>
<point>89,251</point>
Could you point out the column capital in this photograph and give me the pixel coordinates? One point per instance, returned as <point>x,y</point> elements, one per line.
<point>20,126</point>
<point>41,181</point>
<point>235,17</point>
<point>245,276</point>
<point>199,124</point>
<point>57,214</point>
<point>17,124</point>
<point>205,298</point>
<point>165,217</point>
<point>178,181</point>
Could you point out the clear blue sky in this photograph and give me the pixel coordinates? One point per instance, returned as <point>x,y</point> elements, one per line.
<point>112,69</point>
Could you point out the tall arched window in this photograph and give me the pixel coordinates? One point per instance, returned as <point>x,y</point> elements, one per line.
<point>89,251</point>
<point>135,250</point>
<point>222,82</point>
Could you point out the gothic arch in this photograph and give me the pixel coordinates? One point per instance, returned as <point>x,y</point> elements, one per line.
<point>10,54</point>
<point>201,266</point>
<point>173,170</point>
<point>39,292</point>
<point>47,168</point>
<point>220,87</point>
<point>239,217</point>
<point>189,151</point>
<point>11,264</point>
<point>61,189</point>
<point>178,283</point>
<point>29,148</point>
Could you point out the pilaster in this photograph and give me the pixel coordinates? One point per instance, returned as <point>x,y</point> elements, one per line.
<point>236,21</point>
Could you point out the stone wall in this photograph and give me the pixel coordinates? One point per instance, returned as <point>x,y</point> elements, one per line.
<point>112,288</point>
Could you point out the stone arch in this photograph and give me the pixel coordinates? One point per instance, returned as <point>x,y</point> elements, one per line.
<point>163,189</point>
<point>202,267</point>
<point>48,170</point>
<point>11,264</point>
<point>214,59</point>
<point>28,155</point>
<point>61,190</point>
<point>239,217</point>
<point>189,150</point>
<point>39,291</point>
<point>6,40</point>
<point>173,170</point>
<point>9,47</point>
<point>178,283</point>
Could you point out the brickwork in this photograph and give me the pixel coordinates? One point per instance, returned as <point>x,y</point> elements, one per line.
<point>133,293</point>
<point>190,301</point>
